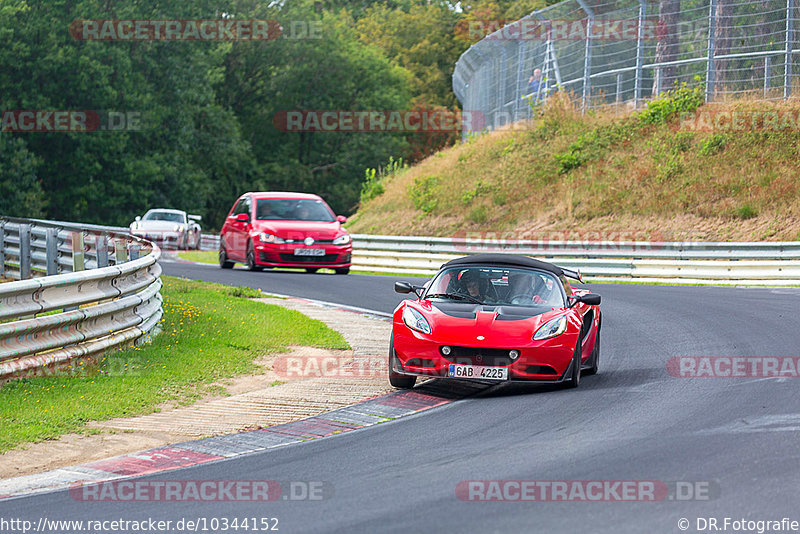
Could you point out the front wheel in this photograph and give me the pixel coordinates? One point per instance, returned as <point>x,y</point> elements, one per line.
<point>251,258</point>
<point>595,357</point>
<point>575,375</point>
<point>396,379</point>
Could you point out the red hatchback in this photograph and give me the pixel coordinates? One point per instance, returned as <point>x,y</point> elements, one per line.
<point>265,230</point>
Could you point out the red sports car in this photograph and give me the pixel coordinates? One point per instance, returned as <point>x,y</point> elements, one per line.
<point>265,230</point>
<point>498,317</point>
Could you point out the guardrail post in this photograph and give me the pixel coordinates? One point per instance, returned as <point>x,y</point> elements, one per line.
<point>2,248</point>
<point>120,252</point>
<point>24,251</point>
<point>712,28</point>
<point>135,250</point>
<point>787,67</point>
<point>101,247</point>
<point>78,255</point>
<point>619,89</point>
<point>51,248</point>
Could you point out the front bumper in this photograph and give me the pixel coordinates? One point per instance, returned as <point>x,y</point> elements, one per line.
<point>548,360</point>
<point>283,255</point>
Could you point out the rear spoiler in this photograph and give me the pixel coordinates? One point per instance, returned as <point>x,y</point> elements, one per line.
<point>575,275</point>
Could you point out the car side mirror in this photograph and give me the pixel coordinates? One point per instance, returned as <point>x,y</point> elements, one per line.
<point>591,299</point>
<point>138,218</point>
<point>243,217</point>
<point>341,218</point>
<point>405,287</point>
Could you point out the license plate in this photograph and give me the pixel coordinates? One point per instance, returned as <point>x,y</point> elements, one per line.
<point>477,371</point>
<point>309,252</point>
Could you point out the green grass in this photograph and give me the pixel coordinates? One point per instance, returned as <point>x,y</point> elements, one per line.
<point>200,256</point>
<point>210,332</point>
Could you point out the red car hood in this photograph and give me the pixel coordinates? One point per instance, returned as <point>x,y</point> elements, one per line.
<point>300,229</point>
<point>501,326</point>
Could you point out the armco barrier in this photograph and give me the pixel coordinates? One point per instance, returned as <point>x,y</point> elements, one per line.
<point>102,284</point>
<point>724,263</point>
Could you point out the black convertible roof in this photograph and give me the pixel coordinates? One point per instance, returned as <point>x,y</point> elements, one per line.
<point>512,260</point>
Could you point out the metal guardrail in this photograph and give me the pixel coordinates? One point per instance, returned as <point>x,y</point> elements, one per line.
<point>762,263</point>
<point>98,286</point>
<point>759,263</point>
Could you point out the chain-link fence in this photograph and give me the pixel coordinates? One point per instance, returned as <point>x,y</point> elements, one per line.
<point>621,53</point>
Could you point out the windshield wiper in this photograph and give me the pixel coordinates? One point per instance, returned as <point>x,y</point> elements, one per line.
<point>455,296</point>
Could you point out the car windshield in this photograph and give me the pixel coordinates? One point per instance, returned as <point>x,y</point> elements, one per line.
<point>497,286</point>
<point>168,216</point>
<point>292,209</point>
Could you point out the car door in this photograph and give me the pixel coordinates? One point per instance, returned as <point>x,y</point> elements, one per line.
<point>232,230</point>
<point>239,230</point>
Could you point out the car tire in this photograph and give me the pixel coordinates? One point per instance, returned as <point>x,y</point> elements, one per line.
<point>595,357</point>
<point>251,258</point>
<point>575,374</point>
<point>312,270</point>
<point>342,270</point>
<point>224,262</point>
<point>396,379</point>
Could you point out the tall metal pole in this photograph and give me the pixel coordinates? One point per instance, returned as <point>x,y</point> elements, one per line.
<point>712,24</point>
<point>637,83</point>
<point>587,63</point>
<point>787,66</point>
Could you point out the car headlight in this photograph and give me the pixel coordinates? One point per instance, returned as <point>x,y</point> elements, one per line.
<point>179,228</point>
<point>269,238</point>
<point>552,328</point>
<point>342,240</point>
<point>415,321</point>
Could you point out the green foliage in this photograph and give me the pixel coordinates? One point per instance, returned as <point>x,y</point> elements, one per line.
<point>374,180</point>
<point>745,211</point>
<point>713,144</point>
<point>423,193</point>
<point>593,144</point>
<point>478,215</point>
<point>480,188</point>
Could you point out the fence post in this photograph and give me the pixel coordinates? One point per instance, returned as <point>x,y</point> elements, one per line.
<point>51,248</point>
<point>637,89</point>
<point>134,251</point>
<point>619,88</point>
<point>120,251</point>
<point>587,60</point>
<point>787,66</point>
<point>24,251</point>
<point>101,246</point>
<point>78,255</point>
<point>2,248</point>
<point>712,28</point>
<point>767,69</point>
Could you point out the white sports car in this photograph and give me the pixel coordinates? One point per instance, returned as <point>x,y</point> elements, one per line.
<point>168,228</point>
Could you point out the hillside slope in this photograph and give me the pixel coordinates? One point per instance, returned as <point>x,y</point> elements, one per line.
<point>646,173</point>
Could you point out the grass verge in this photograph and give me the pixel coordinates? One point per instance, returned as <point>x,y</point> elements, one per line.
<point>210,332</point>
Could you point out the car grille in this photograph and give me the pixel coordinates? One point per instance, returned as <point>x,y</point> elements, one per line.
<point>291,258</point>
<point>478,356</point>
<point>420,362</point>
<point>540,370</point>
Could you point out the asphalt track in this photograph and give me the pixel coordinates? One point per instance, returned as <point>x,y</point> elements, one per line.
<point>631,422</point>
